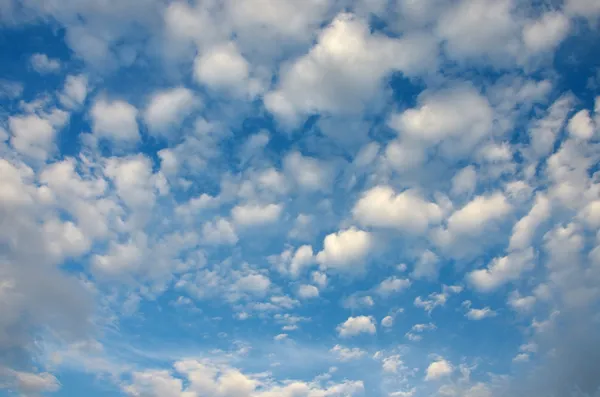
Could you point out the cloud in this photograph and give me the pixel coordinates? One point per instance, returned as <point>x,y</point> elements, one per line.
<point>308,173</point>
<point>34,135</point>
<point>44,65</point>
<point>438,369</point>
<point>459,115</point>
<point>387,321</point>
<point>115,121</point>
<point>219,231</point>
<point>205,377</point>
<point>524,230</point>
<point>168,108</point>
<point>479,314</point>
<point>382,207</point>
<point>345,250</point>
<point>480,30</point>
<point>345,354</point>
<point>502,270</point>
<point>392,285</point>
<point>354,326</point>
<point>331,78</point>
<point>31,384</point>
<point>547,32</point>
<point>74,91</point>
<point>249,215</point>
<point>306,291</point>
<point>223,68</point>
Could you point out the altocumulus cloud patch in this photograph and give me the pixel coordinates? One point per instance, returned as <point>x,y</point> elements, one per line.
<point>299,198</point>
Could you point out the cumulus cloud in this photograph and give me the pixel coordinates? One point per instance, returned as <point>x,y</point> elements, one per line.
<point>354,326</point>
<point>382,207</point>
<point>256,214</point>
<point>168,108</point>
<point>392,285</point>
<point>115,121</point>
<point>345,250</point>
<point>438,369</point>
<point>42,64</point>
<point>347,354</point>
<point>502,270</point>
<point>331,78</point>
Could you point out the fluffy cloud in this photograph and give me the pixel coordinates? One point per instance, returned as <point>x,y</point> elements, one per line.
<point>308,291</point>
<point>392,285</point>
<point>438,369</point>
<point>354,326</point>
<point>332,77</point>
<point>204,377</point>
<point>223,68</point>
<point>115,120</point>
<point>255,214</point>
<point>502,270</point>
<point>34,136</point>
<point>547,32</point>
<point>168,108</point>
<point>74,91</point>
<point>347,354</point>
<point>345,250</point>
<point>387,321</point>
<point>43,65</point>
<point>382,207</point>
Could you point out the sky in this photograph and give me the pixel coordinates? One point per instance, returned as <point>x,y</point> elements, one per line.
<point>281,198</point>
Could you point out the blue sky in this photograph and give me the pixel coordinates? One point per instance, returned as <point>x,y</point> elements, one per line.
<point>383,198</point>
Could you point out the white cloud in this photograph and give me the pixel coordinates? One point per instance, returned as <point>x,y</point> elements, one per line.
<point>74,91</point>
<point>306,291</point>
<point>216,379</point>
<point>392,285</point>
<point>585,8</point>
<point>308,173</point>
<point>344,68</point>
<point>281,337</point>
<point>525,228</point>
<point>438,369</point>
<point>544,131</point>
<point>521,357</point>
<point>459,115</point>
<point>387,321</point>
<point>406,393</point>
<point>255,284</point>
<point>34,136</point>
<point>354,326</point>
<point>475,215</point>
<point>522,304</point>
<point>358,301</point>
<point>581,125</point>
<point>168,108</point>
<point>44,65</point>
<point>249,215</point>
<point>30,384</point>
<point>345,250</point>
<point>345,354</point>
<point>464,181</point>
<point>502,270</point>
<point>219,231</point>
<point>547,32</point>
<point>392,364</point>
<point>115,120</point>
<point>223,68</point>
<point>382,207</point>
<point>480,30</point>
<point>480,314</point>
<point>436,299</point>
<point>427,266</point>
